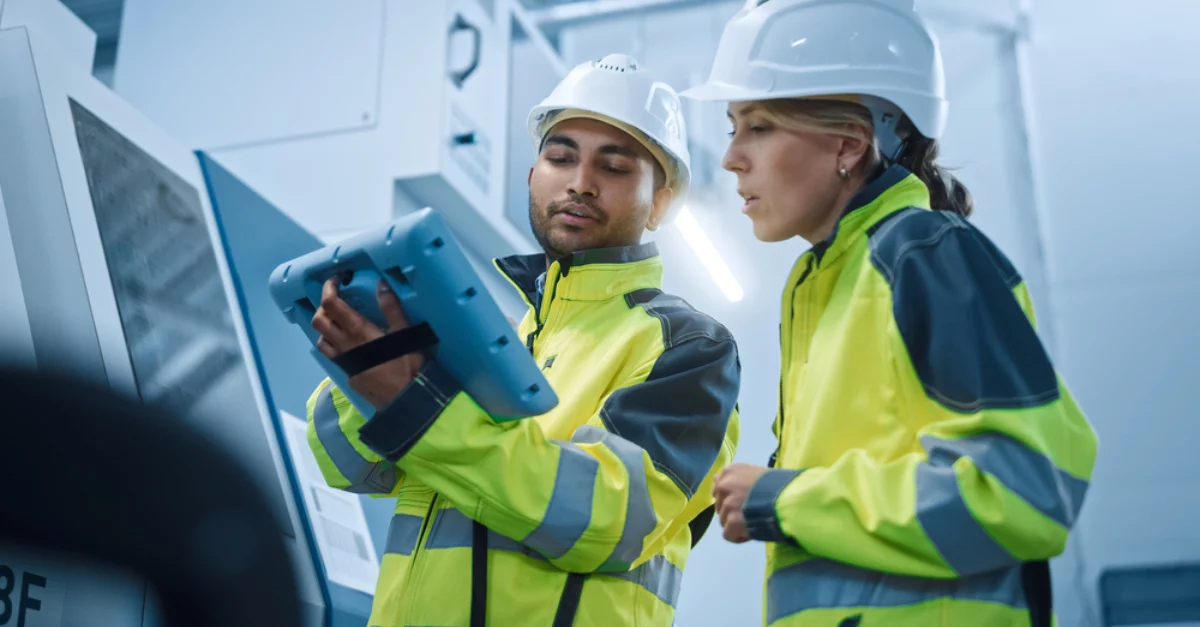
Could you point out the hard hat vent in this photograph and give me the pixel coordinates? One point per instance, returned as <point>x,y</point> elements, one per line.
<point>617,63</point>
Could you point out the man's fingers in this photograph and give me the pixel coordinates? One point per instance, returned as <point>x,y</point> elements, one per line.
<point>390,305</point>
<point>322,324</point>
<point>329,290</point>
<point>326,348</point>
<point>351,323</point>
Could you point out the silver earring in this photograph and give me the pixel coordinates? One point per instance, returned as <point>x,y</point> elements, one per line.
<point>843,173</point>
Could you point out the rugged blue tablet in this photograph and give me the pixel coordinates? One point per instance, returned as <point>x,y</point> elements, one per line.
<point>453,317</point>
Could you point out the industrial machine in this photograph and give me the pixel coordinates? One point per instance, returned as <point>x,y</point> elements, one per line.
<point>131,259</point>
<point>114,271</point>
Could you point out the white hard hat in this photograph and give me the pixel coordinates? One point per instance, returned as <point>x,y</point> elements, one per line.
<point>879,49</point>
<point>617,91</point>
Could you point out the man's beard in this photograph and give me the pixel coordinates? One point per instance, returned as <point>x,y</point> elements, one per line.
<point>541,225</point>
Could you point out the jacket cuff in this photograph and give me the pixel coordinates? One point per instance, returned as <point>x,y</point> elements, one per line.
<point>395,429</point>
<point>762,521</point>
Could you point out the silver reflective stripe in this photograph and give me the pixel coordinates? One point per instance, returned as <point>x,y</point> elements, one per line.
<point>452,530</point>
<point>1028,473</point>
<point>570,509</point>
<point>824,584</point>
<point>365,477</point>
<point>640,518</point>
<point>497,542</point>
<point>403,533</point>
<point>662,578</point>
<point>958,536</point>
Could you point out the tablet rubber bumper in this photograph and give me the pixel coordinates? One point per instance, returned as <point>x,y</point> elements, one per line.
<point>464,329</point>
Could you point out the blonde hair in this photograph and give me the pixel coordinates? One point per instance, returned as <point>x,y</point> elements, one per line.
<point>845,116</point>
<point>832,116</point>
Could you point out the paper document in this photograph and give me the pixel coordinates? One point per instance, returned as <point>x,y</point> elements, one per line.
<point>338,520</point>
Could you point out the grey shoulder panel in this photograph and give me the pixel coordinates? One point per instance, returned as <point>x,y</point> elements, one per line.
<point>970,341</point>
<point>680,321</point>
<point>680,413</point>
<point>898,234</point>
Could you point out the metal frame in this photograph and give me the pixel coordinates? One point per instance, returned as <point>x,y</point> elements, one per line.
<point>553,20</point>
<point>16,338</point>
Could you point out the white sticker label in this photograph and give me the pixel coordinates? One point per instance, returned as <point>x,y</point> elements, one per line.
<point>339,523</point>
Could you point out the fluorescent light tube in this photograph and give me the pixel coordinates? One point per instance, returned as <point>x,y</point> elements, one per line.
<point>708,254</point>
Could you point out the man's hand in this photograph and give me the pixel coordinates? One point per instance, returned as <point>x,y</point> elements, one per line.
<point>731,486</point>
<point>343,329</point>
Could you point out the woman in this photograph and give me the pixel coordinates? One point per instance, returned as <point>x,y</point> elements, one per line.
<point>930,460</point>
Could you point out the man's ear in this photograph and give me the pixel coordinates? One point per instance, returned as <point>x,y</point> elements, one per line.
<point>529,181</point>
<point>662,201</point>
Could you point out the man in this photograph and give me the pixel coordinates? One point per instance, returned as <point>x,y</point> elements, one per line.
<point>585,515</point>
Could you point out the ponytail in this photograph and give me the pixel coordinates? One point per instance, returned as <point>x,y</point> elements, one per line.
<point>946,193</point>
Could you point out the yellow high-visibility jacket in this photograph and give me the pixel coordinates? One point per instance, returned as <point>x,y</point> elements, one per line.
<point>588,510</point>
<point>927,447</point>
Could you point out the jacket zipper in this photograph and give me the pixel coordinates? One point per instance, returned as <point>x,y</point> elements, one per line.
<point>424,527</point>
<point>785,361</point>
<point>541,322</point>
<point>421,539</point>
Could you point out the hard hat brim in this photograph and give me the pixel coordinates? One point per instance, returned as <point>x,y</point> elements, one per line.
<point>929,118</point>
<point>717,92</point>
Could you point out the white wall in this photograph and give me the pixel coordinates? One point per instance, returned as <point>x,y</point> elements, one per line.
<point>1115,87</point>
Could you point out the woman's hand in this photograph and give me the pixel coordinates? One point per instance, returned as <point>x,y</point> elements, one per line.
<point>731,486</point>
<point>343,329</point>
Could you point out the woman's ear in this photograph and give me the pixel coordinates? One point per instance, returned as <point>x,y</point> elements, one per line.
<point>662,201</point>
<point>854,150</point>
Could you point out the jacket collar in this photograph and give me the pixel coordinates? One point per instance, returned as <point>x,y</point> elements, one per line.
<point>894,189</point>
<point>597,274</point>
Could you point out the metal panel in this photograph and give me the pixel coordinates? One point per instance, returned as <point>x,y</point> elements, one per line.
<point>60,320</point>
<point>276,84</point>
